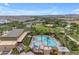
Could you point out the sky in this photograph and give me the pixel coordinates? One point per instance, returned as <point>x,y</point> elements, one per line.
<point>38,8</point>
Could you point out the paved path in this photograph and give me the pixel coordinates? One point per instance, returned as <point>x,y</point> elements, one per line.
<point>28,53</point>
<point>22,36</point>
<point>72,39</point>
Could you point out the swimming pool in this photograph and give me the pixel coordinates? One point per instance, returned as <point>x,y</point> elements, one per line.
<point>46,40</point>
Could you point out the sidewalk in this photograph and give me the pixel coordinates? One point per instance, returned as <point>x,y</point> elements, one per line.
<point>72,39</point>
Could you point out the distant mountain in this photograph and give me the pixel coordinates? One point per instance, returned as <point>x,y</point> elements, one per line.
<point>25,18</point>
<point>16,18</point>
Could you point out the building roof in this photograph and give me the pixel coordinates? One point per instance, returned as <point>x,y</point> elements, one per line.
<point>22,37</point>
<point>14,33</point>
<point>63,49</point>
<point>7,43</point>
<point>11,42</point>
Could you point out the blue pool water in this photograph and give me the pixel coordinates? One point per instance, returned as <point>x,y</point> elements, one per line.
<point>48,41</point>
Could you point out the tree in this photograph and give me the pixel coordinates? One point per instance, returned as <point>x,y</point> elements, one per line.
<point>48,20</point>
<point>72,45</point>
<point>59,23</point>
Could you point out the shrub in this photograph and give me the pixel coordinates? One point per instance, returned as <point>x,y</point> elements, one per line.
<point>27,41</point>
<point>15,51</point>
<point>27,48</point>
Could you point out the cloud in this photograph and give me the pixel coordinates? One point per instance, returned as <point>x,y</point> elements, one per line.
<point>8,11</point>
<point>6,4</point>
<point>4,10</point>
<point>25,12</point>
<point>76,10</point>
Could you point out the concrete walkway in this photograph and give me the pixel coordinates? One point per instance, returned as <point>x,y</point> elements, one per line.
<point>28,53</point>
<point>22,36</point>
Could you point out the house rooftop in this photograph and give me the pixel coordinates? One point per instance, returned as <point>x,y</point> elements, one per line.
<point>63,49</point>
<point>14,33</point>
<point>7,43</point>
